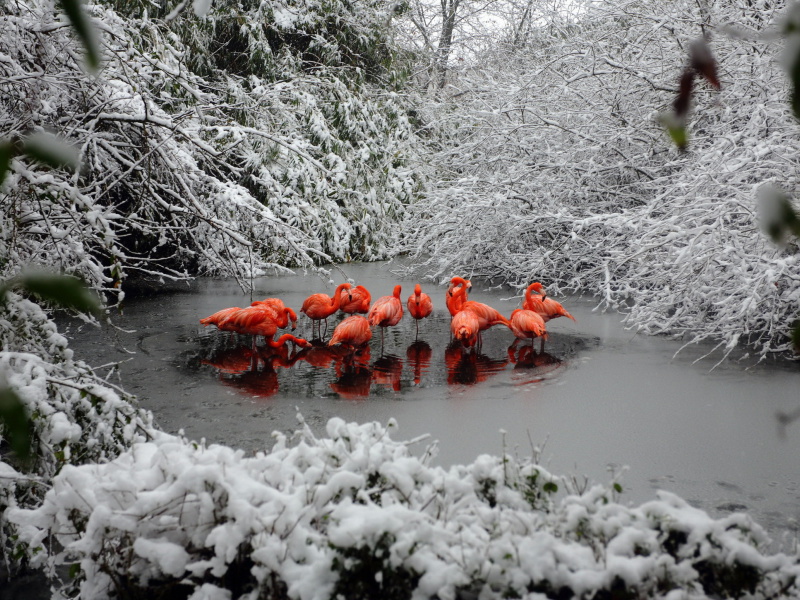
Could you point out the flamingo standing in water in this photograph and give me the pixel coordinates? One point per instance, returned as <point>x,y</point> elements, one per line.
<point>540,303</point>
<point>419,305</point>
<point>527,324</point>
<point>386,311</point>
<point>356,300</point>
<point>353,331</point>
<point>318,307</point>
<point>453,299</point>
<point>486,315</point>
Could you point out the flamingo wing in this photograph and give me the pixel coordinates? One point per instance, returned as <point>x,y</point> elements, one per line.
<point>353,330</point>
<point>385,312</point>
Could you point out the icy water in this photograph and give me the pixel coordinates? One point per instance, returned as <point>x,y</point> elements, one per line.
<point>598,401</point>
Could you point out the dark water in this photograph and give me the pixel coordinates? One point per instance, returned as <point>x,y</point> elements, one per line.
<point>599,400</point>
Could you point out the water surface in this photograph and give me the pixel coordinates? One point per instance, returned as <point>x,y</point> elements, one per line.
<point>599,400</point>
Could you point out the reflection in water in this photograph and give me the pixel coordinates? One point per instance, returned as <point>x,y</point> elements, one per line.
<point>531,363</point>
<point>323,371</point>
<point>468,367</point>
<point>353,375</point>
<point>252,371</point>
<point>387,370</point>
<point>419,356</point>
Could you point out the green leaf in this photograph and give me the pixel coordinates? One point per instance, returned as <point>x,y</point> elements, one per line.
<point>16,425</point>
<point>50,150</point>
<point>550,487</point>
<point>64,291</point>
<point>617,488</point>
<point>85,31</point>
<point>676,128</point>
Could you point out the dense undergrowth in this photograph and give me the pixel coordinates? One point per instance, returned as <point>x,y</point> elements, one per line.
<point>553,166</point>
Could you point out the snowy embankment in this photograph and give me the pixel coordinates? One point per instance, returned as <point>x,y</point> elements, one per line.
<point>357,514</point>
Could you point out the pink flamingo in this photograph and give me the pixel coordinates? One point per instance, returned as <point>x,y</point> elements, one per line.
<point>546,307</point>
<point>357,300</point>
<point>353,331</point>
<point>419,305</point>
<point>318,307</point>
<point>386,311</point>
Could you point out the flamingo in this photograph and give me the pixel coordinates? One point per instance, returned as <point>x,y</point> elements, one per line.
<point>386,311</point>
<point>318,307</point>
<point>453,299</point>
<point>288,337</point>
<point>419,305</point>
<point>219,318</point>
<point>353,331</point>
<point>253,320</point>
<point>546,307</point>
<point>357,300</point>
<point>527,324</point>
<point>465,327</point>
<point>282,312</point>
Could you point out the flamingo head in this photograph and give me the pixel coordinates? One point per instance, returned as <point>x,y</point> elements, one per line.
<point>397,290</point>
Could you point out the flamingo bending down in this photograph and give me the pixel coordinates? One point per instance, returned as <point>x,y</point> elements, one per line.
<point>386,311</point>
<point>288,337</point>
<point>282,312</point>
<point>465,327</point>
<point>253,320</point>
<point>527,324</point>
<point>546,307</point>
<point>220,317</point>
<point>357,300</point>
<point>454,298</point>
<point>353,331</point>
<point>318,307</point>
<point>419,305</point>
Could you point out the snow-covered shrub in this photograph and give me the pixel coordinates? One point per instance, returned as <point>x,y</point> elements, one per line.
<point>554,167</point>
<point>76,417</point>
<point>357,513</point>
<point>192,166</point>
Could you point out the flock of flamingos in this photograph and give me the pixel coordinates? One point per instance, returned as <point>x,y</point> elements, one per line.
<point>469,318</point>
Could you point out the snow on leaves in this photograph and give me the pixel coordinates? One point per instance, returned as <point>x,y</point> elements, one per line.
<point>356,511</point>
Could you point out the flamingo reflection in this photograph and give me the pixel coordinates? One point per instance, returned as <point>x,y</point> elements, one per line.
<point>387,370</point>
<point>252,371</point>
<point>530,362</point>
<point>419,358</point>
<point>469,367</point>
<point>353,375</point>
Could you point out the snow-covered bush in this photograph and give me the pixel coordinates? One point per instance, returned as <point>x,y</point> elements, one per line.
<point>76,417</point>
<point>554,167</point>
<point>358,514</point>
<point>202,150</point>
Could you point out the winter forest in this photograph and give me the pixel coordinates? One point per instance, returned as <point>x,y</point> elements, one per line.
<point>642,152</point>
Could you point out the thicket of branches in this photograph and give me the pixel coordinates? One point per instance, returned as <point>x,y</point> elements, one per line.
<point>252,138</point>
<point>554,167</point>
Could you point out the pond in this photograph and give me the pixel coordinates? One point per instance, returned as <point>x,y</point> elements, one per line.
<point>600,400</point>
